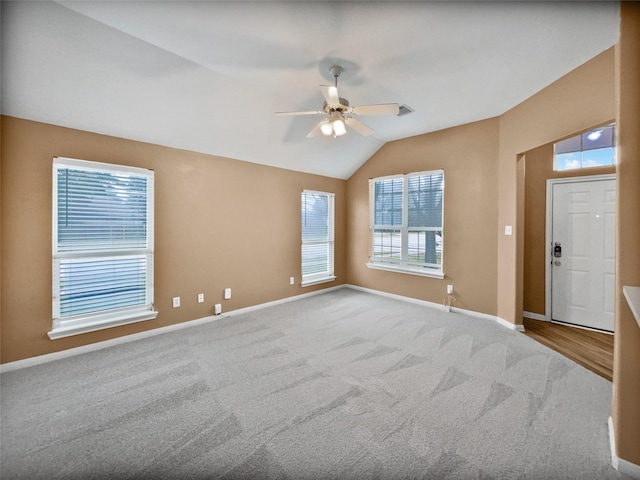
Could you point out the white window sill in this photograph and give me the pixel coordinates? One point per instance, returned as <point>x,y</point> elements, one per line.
<point>410,271</point>
<point>92,324</point>
<point>316,281</point>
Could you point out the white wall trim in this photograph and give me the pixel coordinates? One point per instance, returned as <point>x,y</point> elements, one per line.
<point>72,352</point>
<point>410,271</point>
<point>509,325</point>
<point>50,357</point>
<point>623,466</point>
<point>85,325</point>
<point>426,303</point>
<point>309,283</point>
<point>252,308</point>
<point>417,301</point>
<point>534,316</point>
<point>612,446</point>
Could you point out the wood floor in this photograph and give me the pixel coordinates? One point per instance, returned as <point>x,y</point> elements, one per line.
<point>592,350</point>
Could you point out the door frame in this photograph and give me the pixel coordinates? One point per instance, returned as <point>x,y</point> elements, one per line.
<point>549,228</point>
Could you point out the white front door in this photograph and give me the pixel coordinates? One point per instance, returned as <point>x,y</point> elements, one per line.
<point>582,253</point>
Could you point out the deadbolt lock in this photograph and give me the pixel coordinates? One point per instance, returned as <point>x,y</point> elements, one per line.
<point>557,250</point>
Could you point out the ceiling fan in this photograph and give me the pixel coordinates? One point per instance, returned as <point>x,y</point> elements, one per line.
<point>339,114</point>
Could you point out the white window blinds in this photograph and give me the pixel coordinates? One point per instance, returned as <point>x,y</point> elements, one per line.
<point>102,244</point>
<point>317,237</point>
<point>407,218</point>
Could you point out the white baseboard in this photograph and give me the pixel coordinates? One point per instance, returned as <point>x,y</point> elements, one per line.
<point>50,357</point>
<point>426,303</point>
<point>623,466</point>
<point>534,316</point>
<point>71,352</point>
<point>417,301</point>
<point>612,445</point>
<point>252,308</point>
<point>509,325</point>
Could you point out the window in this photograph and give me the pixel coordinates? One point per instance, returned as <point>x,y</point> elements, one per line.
<point>406,223</point>
<point>595,148</point>
<point>317,237</point>
<point>102,246</point>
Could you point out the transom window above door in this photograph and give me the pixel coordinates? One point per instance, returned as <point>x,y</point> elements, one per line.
<point>595,148</point>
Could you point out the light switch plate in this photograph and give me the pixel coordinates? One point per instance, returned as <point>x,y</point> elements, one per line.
<point>227,293</point>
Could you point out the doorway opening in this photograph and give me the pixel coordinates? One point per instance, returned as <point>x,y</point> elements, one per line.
<point>582,344</point>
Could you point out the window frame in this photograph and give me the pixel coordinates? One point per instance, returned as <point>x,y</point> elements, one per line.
<point>582,151</point>
<point>64,326</point>
<point>329,274</point>
<point>404,265</point>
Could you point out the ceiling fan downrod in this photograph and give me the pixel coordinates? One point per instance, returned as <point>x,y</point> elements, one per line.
<point>336,70</point>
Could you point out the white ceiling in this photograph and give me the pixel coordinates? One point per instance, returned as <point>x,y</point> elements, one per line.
<point>208,76</point>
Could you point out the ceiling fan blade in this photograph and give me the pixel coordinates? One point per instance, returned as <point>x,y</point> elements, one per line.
<point>307,112</point>
<point>315,131</point>
<point>330,95</point>
<point>381,109</point>
<point>358,126</point>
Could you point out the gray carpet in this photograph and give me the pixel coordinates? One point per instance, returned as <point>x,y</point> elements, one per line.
<point>343,385</point>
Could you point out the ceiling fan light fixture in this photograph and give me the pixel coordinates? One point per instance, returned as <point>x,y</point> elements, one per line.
<point>340,113</point>
<point>326,128</point>
<point>339,127</point>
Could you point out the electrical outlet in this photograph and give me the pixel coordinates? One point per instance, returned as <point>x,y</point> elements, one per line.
<point>176,302</point>
<point>291,280</point>
<point>508,230</point>
<point>227,293</point>
<point>201,298</point>
<point>449,289</point>
<point>217,309</point>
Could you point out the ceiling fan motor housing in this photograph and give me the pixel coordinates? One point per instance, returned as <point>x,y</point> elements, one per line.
<point>342,108</point>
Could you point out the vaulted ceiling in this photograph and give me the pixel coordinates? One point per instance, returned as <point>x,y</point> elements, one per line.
<point>208,76</point>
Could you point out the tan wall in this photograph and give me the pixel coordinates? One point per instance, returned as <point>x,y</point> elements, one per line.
<point>468,155</point>
<point>218,223</point>
<point>626,364</point>
<point>582,99</point>
<point>574,103</point>
<point>538,169</point>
